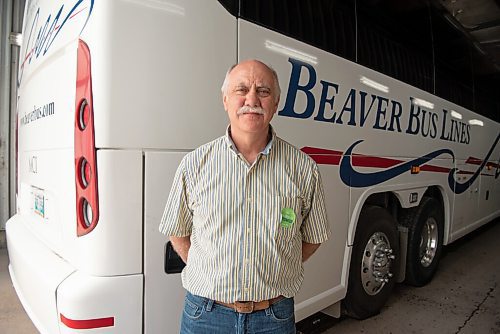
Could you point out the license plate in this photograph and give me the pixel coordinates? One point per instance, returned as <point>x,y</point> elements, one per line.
<point>39,204</point>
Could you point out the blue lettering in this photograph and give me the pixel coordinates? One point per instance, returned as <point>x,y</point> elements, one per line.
<point>294,86</point>
<point>47,34</point>
<point>324,100</point>
<point>349,106</point>
<point>443,128</point>
<point>414,113</point>
<point>364,114</point>
<point>397,110</point>
<point>424,112</point>
<point>434,125</point>
<point>463,138</point>
<point>381,109</point>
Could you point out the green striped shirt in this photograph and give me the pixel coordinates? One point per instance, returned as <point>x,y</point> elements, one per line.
<point>247,222</point>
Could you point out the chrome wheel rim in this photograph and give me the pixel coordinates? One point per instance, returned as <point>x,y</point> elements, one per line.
<point>428,242</point>
<point>376,263</point>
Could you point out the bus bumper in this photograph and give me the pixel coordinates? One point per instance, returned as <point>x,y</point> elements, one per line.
<point>36,272</point>
<point>59,299</point>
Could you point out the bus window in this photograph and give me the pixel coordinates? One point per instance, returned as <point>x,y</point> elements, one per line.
<point>453,62</point>
<point>486,87</point>
<point>328,25</point>
<point>395,38</point>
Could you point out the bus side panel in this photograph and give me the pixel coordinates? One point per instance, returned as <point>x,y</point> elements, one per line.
<point>368,138</point>
<point>479,203</point>
<point>466,204</point>
<point>163,295</point>
<point>489,190</point>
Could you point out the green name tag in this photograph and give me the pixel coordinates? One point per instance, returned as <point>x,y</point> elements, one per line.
<point>287,217</point>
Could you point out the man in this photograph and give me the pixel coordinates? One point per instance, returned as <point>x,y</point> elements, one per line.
<point>244,212</point>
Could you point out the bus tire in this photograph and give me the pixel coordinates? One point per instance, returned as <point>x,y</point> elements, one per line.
<point>373,260</point>
<point>425,241</point>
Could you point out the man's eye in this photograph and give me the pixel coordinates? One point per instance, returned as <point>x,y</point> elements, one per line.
<point>264,92</point>
<point>241,90</point>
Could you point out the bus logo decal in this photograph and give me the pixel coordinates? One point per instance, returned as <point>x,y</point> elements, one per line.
<point>356,179</point>
<point>459,188</point>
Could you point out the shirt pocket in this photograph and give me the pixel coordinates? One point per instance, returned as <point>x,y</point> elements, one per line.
<point>287,223</point>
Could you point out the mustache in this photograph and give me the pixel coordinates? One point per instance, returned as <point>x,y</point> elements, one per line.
<point>250,110</point>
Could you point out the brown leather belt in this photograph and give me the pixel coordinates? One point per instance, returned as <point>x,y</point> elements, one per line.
<point>249,307</point>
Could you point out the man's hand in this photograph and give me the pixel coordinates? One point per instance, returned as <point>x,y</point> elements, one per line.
<point>308,250</point>
<point>181,246</point>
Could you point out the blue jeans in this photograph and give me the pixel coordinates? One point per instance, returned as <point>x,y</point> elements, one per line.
<point>203,316</point>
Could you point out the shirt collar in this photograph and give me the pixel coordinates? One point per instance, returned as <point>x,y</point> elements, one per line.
<point>266,149</point>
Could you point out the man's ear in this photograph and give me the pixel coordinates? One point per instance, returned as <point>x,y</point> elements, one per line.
<point>276,104</point>
<point>224,101</point>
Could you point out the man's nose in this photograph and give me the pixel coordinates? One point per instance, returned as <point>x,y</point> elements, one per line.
<point>252,99</point>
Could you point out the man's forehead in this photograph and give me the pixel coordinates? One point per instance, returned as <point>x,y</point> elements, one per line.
<point>250,73</point>
<point>248,83</point>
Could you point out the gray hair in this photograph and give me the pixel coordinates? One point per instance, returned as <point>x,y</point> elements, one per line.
<point>277,89</point>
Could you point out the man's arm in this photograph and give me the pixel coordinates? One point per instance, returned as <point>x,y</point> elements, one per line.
<point>181,246</point>
<point>308,250</point>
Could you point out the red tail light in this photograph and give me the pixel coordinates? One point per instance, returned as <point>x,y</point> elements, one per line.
<point>87,201</point>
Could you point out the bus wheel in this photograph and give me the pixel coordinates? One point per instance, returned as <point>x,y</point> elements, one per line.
<point>425,241</point>
<point>373,260</point>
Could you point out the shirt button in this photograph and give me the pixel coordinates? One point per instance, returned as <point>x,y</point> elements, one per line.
<point>249,200</point>
<point>248,230</point>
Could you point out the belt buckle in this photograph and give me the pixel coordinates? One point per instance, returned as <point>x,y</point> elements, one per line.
<point>244,307</point>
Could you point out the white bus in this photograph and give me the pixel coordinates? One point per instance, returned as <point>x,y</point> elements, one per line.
<point>112,95</point>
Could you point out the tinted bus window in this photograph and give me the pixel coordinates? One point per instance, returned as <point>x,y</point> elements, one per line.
<point>326,24</point>
<point>394,38</point>
<point>486,96</point>
<point>453,62</point>
<point>486,86</point>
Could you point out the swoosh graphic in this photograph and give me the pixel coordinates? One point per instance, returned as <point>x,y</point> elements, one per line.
<point>459,188</point>
<point>69,16</point>
<point>356,179</point>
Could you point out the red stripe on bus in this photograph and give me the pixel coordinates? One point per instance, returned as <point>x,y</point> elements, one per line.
<point>325,159</point>
<point>370,161</point>
<point>437,169</point>
<point>314,150</point>
<point>329,157</point>
<point>88,323</point>
<point>323,156</point>
<point>476,161</point>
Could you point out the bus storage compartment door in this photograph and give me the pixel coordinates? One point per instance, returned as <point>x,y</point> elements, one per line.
<point>100,305</point>
<point>36,271</point>
<point>114,247</point>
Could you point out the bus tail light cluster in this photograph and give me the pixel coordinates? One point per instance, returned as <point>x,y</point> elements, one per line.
<point>87,201</point>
